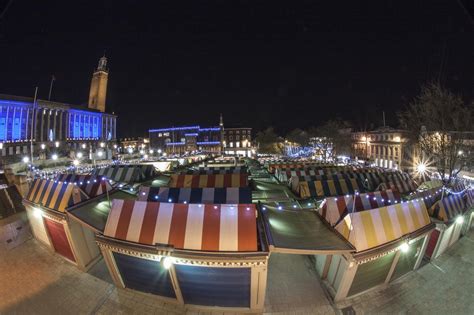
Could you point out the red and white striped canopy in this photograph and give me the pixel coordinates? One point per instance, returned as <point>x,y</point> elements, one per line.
<point>226,227</point>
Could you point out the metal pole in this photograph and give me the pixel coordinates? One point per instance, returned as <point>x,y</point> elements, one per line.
<point>33,118</point>
<point>51,87</point>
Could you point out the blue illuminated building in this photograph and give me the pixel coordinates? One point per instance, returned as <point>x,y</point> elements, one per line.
<point>187,139</point>
<point>48,123</point>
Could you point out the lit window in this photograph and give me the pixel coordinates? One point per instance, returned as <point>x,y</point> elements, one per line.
<point>237,144</point>
<point>231,144</point>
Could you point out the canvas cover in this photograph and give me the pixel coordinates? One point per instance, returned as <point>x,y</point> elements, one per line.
<point>224,227</point>
<point>448,208</point>
<point>372,228</point>
<point>92,185</point>
<point>54,194</point>
<point>333,209</point>
<point>328,188</point>
<point>209,181</point>
<point>229,195</point>
<point>127,173</point>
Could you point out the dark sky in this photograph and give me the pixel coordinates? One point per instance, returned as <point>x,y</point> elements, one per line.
<point>282,63</point>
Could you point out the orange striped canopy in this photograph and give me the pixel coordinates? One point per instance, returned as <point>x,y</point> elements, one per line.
<point>225,227</point>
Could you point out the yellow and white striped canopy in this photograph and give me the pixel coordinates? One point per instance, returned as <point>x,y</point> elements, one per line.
<point>372,228</point>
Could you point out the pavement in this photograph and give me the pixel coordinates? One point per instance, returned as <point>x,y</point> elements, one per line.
<point>36,281</point>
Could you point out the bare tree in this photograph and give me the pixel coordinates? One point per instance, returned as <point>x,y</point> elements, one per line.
<point>331,138</point>
<point>269,142</point>
<point>440,125</point>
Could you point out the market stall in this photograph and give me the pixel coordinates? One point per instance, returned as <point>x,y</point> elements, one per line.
<point>128,173</point>
<point>449,214</point>
<point>92,185</point>
<point>209,181</point>
<point>194,254</point>
<point>229,195</point>
<point>389,242</point>
<point>47,204</point>
<point>328,188</point>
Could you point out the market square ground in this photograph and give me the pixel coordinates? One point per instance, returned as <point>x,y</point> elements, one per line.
<point>36,282</point>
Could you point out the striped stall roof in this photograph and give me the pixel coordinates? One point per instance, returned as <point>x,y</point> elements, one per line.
<point>448,208</point>
<point>127,173</point>
<point>226,227</point>
<point>429,196</point>
<point>328,188</point>
<point>375,227</point>
<point>470,198</point>
<point>215,170</point>
<point>54,194</point>
<point>334,209</point>
<point>92,185</point>
<point>209,181</point>
<point>230,195</point>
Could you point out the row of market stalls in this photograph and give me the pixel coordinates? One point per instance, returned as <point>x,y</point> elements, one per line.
<point>185,241</point>
<point>197,239</point>
<point>364,236</point>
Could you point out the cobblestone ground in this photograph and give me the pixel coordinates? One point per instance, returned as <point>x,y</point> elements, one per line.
<point>36,281</point>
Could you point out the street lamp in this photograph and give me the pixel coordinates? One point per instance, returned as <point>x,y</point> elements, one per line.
<point>26,159</point>
<point>43,146</point>
<point>54,156</point>
<point>84,145</point>
<point>79,155</point>
<point>99,154</point>
<point>75,162</point>
<point>56,144</point>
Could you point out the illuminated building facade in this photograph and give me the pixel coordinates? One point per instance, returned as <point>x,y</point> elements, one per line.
<point>238,141</point>
<point>181,140</point>
<point>385,147</point>
<point>44,124</point>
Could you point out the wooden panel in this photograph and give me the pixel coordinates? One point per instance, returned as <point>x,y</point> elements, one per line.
<point>225,287</point>
<point>371,274</point>
<point>59,239</point>
<point>144,275</point>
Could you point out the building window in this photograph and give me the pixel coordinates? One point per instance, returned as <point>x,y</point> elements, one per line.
<point>237,138</point>
<point>237,144</point>
<point>231,144</point>
<point>230,138</point>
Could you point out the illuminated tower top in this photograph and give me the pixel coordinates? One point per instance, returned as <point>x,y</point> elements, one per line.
<point>98,91</point>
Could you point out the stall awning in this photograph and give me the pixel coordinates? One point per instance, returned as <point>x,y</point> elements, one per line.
<point>231,195</point>
<point>92,185</point>
<point>470,198</point>
<point>195,227</point>
<point>300,232</point>
<point>327,188</point>
<point>429,196</point>
<point>372,228</point>
<point>54,194</point>
<point>127,173</point>
<point>333,209</point>
<point>209,181</point>
<point>448,208</point>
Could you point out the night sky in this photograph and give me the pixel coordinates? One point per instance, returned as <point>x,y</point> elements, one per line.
<point>285,64</point>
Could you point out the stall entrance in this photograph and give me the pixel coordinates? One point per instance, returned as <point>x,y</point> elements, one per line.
<point>59,239</point>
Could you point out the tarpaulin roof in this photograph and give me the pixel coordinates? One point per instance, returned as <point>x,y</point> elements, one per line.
<point>470,198</point>
<point>54,194</point>
<point>92,185</point>
<point>185,226</point>
<point>429,196</point>
<point>214,171</point>
<point>333,209</point>
<point>300,231</point>
<point>230,195</point>
<point>127,173</point>
<point>448,208</point>
<point>203,181</point>
<point>375,227</point>
<point>328,188</point>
